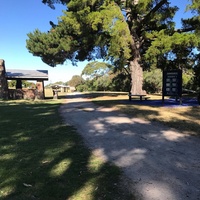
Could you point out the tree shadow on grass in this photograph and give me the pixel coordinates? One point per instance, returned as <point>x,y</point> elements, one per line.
<point>88,95</point>
<point>150,112</point>
<point>193,112</point>
<point>41,158</point>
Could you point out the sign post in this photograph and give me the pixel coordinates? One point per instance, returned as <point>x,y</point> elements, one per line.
<point>172,84</point>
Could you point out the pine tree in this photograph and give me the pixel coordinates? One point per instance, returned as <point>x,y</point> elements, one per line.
<point>138,34</point>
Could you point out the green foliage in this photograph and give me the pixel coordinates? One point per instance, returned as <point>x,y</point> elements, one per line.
<point>97,76</point>
<point>153,81</point>
<point>120,82</point>
<point>51,3</point>
<point>75,81</point>
<point>96,69</point>
<point>169,50</point>
<point>56,83</point>
<point>104,77</point>
<point>51,47</point>
<point>83,32</point>
<point>83,88</point>
<point>120,31</point>
<point>188,79</point>
<point>12,83</point>
<point>197,78</point>
<point>102,83</point>
<point>25,84</point>
<point>60,83</point>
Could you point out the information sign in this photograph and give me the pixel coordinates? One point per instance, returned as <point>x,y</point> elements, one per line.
<point>172,83</point>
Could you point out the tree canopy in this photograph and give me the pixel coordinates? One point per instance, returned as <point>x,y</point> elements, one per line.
<point>75,81</point>
<point>139,34</point>
<point>96,69</point>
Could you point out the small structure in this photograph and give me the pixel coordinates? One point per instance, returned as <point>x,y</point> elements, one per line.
<point>17,74</point>
<point>56,89</point>
<point>61,88</point>
<point>64,88</point>
<point>37,75</point>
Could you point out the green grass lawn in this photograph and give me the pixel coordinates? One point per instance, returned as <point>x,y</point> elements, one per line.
<point>42,158</point>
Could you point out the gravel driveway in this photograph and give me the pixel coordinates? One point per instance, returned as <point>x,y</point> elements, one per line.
<point>161,162</point>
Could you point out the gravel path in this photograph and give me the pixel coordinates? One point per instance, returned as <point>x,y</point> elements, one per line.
<point>161,163</point>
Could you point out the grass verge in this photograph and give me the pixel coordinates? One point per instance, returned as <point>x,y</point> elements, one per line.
<point>42,158</point>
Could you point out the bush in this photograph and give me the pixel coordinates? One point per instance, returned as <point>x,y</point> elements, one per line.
<point>153,81</point>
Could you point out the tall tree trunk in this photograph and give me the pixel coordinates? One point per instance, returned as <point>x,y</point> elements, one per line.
<point>136,77</point>
<point>136,69</point>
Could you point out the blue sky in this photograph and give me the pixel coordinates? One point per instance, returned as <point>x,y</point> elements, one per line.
<point>17,18</point>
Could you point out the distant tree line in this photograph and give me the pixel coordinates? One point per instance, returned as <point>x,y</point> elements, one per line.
<point>25,84</point>
<point>100,76</point>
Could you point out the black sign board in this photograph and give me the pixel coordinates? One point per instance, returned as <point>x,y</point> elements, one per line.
<point>172,83</point>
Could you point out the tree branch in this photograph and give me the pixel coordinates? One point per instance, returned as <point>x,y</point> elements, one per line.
<point>148,16</point>
<point>184,30</point>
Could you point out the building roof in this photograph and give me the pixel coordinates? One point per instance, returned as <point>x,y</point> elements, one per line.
<point>14,74</point>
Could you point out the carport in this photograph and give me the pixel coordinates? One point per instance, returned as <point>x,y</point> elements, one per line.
<point>32,75</point>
